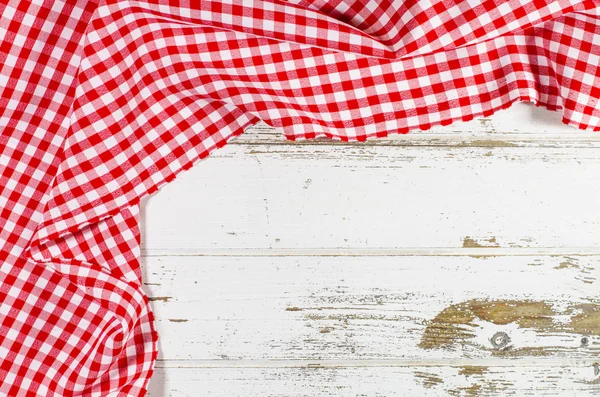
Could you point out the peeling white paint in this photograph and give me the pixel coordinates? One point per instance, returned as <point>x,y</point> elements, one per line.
<point>318,268</point>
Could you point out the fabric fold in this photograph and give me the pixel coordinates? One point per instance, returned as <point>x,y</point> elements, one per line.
<point>408,28</point>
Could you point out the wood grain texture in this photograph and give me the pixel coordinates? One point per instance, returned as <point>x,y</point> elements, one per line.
<point>345,197</point>
<point>466,381</point>
<point>461,261</point>
<point>409,308</point>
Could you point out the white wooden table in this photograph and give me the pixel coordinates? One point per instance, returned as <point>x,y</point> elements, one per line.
<point>462,261</point>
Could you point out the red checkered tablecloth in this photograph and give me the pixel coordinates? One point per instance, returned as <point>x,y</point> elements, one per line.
<point>102,103</point>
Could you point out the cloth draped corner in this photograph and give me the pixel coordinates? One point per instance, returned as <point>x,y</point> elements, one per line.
<point>103,102</point>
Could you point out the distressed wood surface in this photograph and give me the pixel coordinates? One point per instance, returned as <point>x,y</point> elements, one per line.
<point>461,261</point>
<point>469,381</point>
<point>400,308</point>
<point>348,197</point>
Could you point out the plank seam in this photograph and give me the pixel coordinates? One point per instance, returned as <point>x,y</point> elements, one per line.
<point>166,363</point>
<point>474,252</point>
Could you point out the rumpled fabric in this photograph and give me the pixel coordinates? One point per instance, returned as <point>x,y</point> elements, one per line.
<point>104,102</point>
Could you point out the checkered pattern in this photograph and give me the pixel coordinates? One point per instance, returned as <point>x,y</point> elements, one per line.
<point>102,103</point>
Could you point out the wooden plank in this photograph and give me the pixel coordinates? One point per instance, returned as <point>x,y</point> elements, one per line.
<point>266,197</point>
<point>372,308</point>
<point>468,381</point>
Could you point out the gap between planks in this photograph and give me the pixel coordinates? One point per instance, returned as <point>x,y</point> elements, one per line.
<point>476,252</point>
<point>539,362</point>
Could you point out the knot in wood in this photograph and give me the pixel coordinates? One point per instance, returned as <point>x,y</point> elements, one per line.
<point>500,340</point>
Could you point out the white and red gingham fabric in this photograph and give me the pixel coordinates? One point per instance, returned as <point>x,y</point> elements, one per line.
<point>101,103</point>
